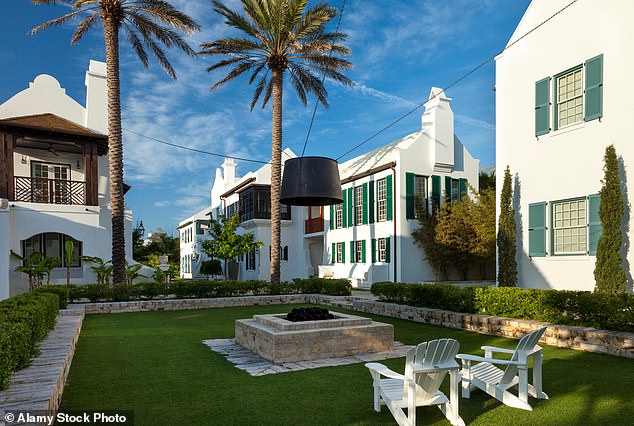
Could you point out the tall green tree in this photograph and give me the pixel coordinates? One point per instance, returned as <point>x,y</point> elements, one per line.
<point>507,264</point>
<point>149,25</point>
<point>609,275</point>
<point>281,38</point>
<point>226,243</point>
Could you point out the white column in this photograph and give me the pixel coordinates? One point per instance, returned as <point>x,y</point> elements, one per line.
<point>4,249</point>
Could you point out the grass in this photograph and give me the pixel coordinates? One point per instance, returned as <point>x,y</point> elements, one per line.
<point>155,364</point>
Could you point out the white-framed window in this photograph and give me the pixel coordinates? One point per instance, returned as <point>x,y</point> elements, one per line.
<point>339,247</point>
<point>250,261</point>
<point>52,244</point>
<point>381,249</point>
<point>358,251</point>
<point>420,191</point>
<point>381,199</point>
<point>570,227</point>
<point>339,215</point>
<point>455,190</point>
<point>569,98</point>
<point>358,205</point>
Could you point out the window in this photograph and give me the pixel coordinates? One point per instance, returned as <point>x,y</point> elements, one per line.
<point>570,227</point>
<point>358,205</point>
<point>382,248</point>
<point>359,252</point>
<point>338,215</point>
<point>52,244</point>
<point>569,98</point>
<point>50,183</point>
<point>381,200</point>
<point>455,190</point>
<point>250,260</point>
<point>340,255</point>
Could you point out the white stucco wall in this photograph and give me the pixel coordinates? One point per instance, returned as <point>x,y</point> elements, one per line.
<point>566,163</point>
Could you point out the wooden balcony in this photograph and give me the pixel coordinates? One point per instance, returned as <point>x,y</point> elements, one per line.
<point>313,225</point>
<point>49,191</point>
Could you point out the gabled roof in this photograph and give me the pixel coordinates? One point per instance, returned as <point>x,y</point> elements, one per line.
<point>50,122</point>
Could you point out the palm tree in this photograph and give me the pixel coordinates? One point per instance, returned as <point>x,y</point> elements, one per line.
<point>148,24</point>
<point>282,36</point>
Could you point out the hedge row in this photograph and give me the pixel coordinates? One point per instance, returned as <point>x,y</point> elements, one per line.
<point>582,308</point>
<point>25,320</point>
<point>203,288</point>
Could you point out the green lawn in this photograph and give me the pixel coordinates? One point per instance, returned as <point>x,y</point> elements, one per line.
<point>155,364</point>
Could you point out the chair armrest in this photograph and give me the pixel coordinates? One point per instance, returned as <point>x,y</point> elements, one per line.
<point>495,349</point>
<point>384,371</point>
<point>476,358</point>
<point>446,366</point>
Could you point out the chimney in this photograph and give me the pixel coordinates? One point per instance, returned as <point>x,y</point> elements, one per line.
<point>437,123</point>
<point>96,97</point>
<point>229,171</point>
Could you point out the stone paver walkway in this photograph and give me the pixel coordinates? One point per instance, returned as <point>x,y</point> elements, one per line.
<point>255,365</point>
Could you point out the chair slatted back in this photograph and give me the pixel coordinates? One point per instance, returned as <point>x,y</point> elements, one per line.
<point>525,346</point>
<point>428,354</point>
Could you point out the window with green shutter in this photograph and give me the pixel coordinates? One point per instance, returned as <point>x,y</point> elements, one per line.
<point>371,201</point>
<point>388,184</point>
<point>537,229</point>
<point>373,250</point>
<point>362,251</point>
<point>594,223</point>
<point>387,250</point>
<point>352,252</point>
<point>410,181</point>
<point>462,188</point>
<point>332,217</point>
<point>435,192</point>
<point>333,253</point>
<point>542,106</point>
<point>344,208</point>
<point>594,88</point>
<point>350,207</point>
<point>365,204</point>
<point>448,191</point>
<point>343,252</point>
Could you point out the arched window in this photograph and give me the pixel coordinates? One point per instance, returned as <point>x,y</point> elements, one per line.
<point>51,244</point>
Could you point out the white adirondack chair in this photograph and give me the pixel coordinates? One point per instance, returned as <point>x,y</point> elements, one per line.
<point>426,366</point>
<point>497,382</point>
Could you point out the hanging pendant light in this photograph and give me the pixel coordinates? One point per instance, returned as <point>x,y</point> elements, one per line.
<point>311,181</point>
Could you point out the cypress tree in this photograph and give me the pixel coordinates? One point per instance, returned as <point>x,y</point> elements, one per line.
<point>507,265</point>
<point>608,273</point>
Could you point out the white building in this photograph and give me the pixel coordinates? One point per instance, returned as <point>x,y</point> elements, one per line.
<point>192,232</point>
<point>54,178</point>
<point>369,236</point>
<point>561,99</point>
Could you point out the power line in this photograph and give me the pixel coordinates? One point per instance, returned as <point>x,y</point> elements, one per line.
<point>486,61</point>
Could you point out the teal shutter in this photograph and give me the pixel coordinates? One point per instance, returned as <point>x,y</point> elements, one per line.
<point>462,188</point>
<point>387,250</point>
<point>343,253</point>
<point>350,207</point>
<point>344,209</point>
<point>542,106</point>
<point>595,228</point>
<point>363,251</point>
<point>537,229</point>
<point>448,188</point>
<point>435,192</point>
<point>373,250</point>
<point>334,253</point>
<point>332,217</point>
<point>371,206</point>
<point>388,186</point>
<point>365,203</point>
<point>352,256</point>
<point>594,88</point>
<point>410,179</point>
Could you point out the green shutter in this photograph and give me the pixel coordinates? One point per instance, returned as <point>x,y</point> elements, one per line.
<point>363,251</point>
<point>388,185</point>
<point>537,229</point>
<point>334,253</point>
<point>448,188</point>
<point>344,209</point>
<point>332,217</point>
<point>410,179</point>
<point>371,201</point>
<point>350,207</point>
<point>435,192</point>
<point>387,250</point>
<point>463,188</point>
<point>365,203</point>
<point>373,250</point>
<point>352,256</point>
<point>542,106</point>
<point>594,88</point>
<point>594,223</point>
<point>343,253</point>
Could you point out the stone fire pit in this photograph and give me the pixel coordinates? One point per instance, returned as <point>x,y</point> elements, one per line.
<point>278,340</point>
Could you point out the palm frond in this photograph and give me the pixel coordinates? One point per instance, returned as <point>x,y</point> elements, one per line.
<point>297,84</point>
<point>235,72</point>
<point>152,30</point>
<point>228,46</point>
<point>234,19</point>
<point>57,21</point>
<point>165,12</point>
<point>136,44</point>
<point>258,89</point>
<point>84,26</point>
<point>268,93</point>
<point>311,84</point>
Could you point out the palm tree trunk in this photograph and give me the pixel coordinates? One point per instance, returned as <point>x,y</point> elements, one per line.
<point>276,174</point>
<point>115,151</point>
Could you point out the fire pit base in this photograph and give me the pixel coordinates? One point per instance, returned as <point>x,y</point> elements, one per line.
<point>279,340</point>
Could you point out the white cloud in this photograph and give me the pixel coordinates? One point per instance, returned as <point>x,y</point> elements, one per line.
<point>474,122</point>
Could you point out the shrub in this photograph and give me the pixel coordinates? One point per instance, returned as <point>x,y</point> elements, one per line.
<point>61,291</point>
<point>436,296</point>
<point>337,287</point>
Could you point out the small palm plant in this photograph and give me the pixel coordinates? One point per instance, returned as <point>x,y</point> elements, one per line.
<point>103,269</point>
<point>69,257</point>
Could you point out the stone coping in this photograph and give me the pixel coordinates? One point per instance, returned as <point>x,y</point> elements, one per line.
<point>278,322</point>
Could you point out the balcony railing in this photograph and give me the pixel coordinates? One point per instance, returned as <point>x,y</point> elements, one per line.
<point>49,191</point>
<point>315,224</point>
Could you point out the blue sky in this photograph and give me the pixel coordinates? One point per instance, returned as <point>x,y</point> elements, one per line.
<point>400,49</point>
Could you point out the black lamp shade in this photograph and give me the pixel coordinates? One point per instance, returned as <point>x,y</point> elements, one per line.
<point>311,181</point>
